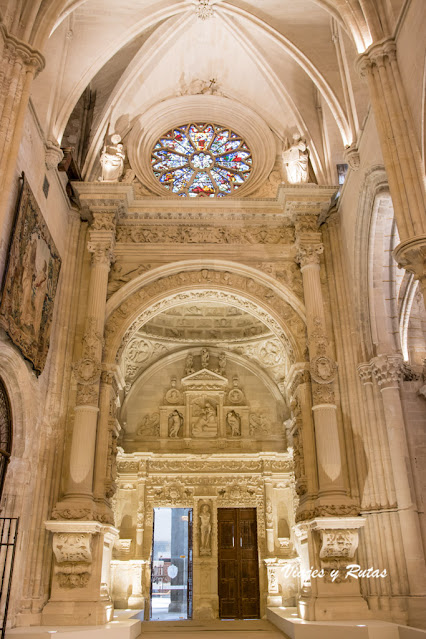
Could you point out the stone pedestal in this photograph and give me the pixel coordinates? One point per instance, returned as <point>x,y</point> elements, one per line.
<point>81,574</point>
<point>327,592</point>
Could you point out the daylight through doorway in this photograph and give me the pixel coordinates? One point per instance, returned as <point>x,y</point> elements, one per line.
<point>171,564</point>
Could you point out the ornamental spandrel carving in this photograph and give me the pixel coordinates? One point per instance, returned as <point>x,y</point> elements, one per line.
<point>192,234</point>
<point>323,369</point>
<point>149,426</point>
<point>121,274</point>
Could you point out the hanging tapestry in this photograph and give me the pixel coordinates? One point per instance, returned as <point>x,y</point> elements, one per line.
<point>30,284</point>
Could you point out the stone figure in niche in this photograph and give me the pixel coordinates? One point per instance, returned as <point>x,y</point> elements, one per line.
<point>221,364</point>
<point>175,423</point>
<point>189,365</point>
<point>204,423</point>
<point>204,358</point>
<point>112,160</point>
<point>233,421</point>
<point>205,530</point>
<point>296,161</point>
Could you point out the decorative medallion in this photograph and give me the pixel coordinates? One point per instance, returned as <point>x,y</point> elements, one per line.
<point>323,369</point>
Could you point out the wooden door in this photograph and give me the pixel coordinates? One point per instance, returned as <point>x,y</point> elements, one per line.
<point>238,563</point>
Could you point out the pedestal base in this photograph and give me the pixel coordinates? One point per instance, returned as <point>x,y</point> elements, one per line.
<point>332,608</point>
<point>77,613</point>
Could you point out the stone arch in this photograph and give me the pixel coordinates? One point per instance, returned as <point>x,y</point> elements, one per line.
<point>151,294</point>
<point>21,390</point>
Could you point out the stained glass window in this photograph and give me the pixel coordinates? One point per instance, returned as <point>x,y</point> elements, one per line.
<point>201,160</point>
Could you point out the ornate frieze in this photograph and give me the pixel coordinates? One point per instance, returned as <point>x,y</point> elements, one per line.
<point>191,234</point>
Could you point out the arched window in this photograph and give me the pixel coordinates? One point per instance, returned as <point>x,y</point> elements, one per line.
<point>5,433</point>
<point>199,160</point>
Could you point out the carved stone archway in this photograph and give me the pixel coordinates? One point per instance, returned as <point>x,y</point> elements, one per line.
<point>216,284</point>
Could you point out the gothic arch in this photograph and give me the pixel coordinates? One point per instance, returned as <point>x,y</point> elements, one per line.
<point>237,285</point>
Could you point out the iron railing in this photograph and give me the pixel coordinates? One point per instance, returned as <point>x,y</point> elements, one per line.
<point>8,536</point>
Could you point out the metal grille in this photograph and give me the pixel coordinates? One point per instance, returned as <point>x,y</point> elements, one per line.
<point>8,536</point>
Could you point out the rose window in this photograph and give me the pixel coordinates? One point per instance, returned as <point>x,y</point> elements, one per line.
<point>201,160</point>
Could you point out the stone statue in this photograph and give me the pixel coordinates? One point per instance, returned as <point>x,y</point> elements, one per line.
<point>221,364</point>
<point>233,421</point>
<point>205,530</point>
<point>112,160</point>
<point>296,161</point>
<point>189,365</point>
<point>204,358</point>
<point>175,423</point>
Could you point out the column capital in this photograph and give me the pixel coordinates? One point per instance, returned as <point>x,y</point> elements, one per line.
<point>388,370</point>
<point>29,57</point>
<point>365,373</point>
<point>376,55</point>
<point>411,255</point>
<point>308,254</point>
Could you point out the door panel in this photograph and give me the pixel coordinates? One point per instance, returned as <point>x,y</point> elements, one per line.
<point>238,563</point>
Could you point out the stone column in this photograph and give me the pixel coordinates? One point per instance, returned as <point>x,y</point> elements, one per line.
<point>19,65</point>
<point>298,388</point>
<point>323,368</point>
<point>388,372</point>
<point>327,536</point>
<point>87,370</point>
<point>269,519</point>
<point>401,154</point>
<point>79,518</point>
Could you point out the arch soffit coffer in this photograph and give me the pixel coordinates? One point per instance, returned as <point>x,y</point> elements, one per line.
<point>171,358</point>
<point>216,284</point>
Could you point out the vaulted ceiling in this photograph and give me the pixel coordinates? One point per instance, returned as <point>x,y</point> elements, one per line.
<point>290,63</point>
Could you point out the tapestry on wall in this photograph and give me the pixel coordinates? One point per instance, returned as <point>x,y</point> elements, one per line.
<point>30,284</point>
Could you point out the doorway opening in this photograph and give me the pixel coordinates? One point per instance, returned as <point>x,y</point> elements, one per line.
<point>238,564</point>
<point>171,565</point>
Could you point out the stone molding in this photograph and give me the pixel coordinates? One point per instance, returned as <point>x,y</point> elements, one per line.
<point>411,255</point>
<point>21,50</point>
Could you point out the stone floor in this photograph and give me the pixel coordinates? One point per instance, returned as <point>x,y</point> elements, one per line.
<point>233,629</point>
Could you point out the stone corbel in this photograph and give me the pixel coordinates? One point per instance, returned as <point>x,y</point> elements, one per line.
<point>338,539</point>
